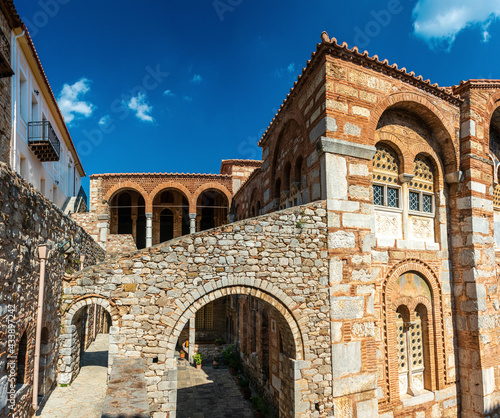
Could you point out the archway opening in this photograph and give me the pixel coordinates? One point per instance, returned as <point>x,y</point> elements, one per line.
<point>128,216</point>
<point>212,209</point>
<point>170,215</point>
<point>261,349</point>
<point>90,345</point>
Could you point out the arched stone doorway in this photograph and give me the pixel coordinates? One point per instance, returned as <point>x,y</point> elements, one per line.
<point>263,331</point>
<point>212,209</point>
<point>83,321</point>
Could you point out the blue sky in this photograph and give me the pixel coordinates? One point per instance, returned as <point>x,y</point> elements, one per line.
<point>176,85</point>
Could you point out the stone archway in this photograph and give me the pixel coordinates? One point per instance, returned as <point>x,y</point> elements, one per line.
<point>281,321</point>
<point>69,339</point>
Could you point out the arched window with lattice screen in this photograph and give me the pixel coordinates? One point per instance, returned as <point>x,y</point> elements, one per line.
<point>386,190</point>
<point>412,334</point>
<point>387,193</point>
<point>421,195</point>
<point>421,200</point>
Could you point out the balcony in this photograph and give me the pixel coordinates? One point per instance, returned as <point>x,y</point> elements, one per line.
<point>43,141</point>
<point>5,69</point>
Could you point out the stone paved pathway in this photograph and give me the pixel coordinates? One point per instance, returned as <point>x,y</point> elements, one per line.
<point>209,393</point>
<point>84,398</point>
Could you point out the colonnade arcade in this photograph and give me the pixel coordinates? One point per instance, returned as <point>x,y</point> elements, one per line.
<point>172,214</point>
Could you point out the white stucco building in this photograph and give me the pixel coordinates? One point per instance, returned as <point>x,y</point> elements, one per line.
<point>42,150</point>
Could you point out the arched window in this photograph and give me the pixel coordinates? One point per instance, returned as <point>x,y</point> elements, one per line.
<point>298,172</point>
<point>286,177</point>
<point>412,334</point>
<point>421,192</point>
<point>386,188</point>
<point>277,189</point>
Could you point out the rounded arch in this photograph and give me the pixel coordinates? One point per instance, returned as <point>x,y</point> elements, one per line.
<point>435,309</point>
<point>277,299</point>
<point>294,116</point>
<point>391,141</point>
<point>492,107</point>
<point>170,185</point>
<point>419,104</point>
<point>126,185</point>
<point>207,186</point>
<point>70,339</point>
<point>87,300</point>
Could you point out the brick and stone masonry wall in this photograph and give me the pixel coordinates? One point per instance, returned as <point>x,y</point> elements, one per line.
<point>280,258</point>
<point>27,220</point>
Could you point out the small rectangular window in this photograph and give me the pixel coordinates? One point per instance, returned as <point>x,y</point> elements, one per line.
<point>392,197</point>
<point>378,195</point>
<point>414,201</point>
<point>427,203</point>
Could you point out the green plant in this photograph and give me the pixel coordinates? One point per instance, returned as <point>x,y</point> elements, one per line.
<point>299,224</point>
<point>198,358</point>
<point>219,341</point>
<point>260,404</point>
<point>244,383</point>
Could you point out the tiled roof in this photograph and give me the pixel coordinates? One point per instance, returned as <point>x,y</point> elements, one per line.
<point>476,83</point>
<point>11,13</point>
<point>160,174</point>
<point>343,51</point>
<point>247,162</point>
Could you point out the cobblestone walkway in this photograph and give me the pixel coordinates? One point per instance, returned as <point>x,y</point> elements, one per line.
<point>209,393</point>
<point>84,398</point>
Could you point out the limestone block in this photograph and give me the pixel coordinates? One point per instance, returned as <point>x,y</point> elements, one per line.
<point>346,359</point>
<point>367,409</point>
<point>341,239</point>
<point>346,307</point>
<point>354,384</point>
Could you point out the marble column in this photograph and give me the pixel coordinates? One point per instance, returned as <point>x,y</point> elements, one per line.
<point>192,223</point>
<point>149,229</point>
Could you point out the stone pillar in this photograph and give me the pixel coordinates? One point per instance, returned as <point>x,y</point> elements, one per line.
<point>192,338</point>
<point>475,283</point>
<point>149,229</point>
<point>351,228</point>
<point>404,179</point>
<point>192,223</point>
<point>103,226</point>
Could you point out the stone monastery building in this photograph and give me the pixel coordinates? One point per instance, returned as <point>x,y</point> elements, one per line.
<point>354,267</point>
<point>378,299</point>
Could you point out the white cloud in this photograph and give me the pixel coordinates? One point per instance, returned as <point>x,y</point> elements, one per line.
<point>439,22</point>
<point>141,107</point>
<point>187,98</point>
<point>70,103</point>
<point>104,120</point>
<point>168,93</point>
<point>197,79</point>
<point>289,70</point>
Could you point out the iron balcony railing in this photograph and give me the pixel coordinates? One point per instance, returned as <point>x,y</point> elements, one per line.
<point>43,141</point>
<point>83,195</point>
